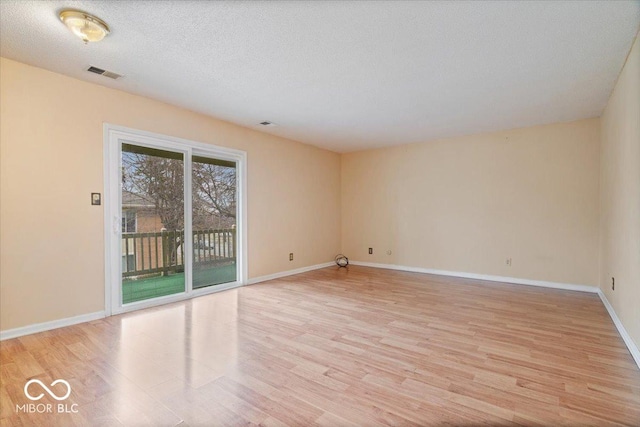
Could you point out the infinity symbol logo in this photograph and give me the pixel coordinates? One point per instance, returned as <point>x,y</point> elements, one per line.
<point>52,394</point>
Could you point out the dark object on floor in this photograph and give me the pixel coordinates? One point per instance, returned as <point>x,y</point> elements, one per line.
<point>341,260</point>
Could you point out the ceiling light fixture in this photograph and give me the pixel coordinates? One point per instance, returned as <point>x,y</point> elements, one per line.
<point>88,27</point>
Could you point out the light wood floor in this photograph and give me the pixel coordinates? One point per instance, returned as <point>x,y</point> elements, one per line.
<point>339,348</point>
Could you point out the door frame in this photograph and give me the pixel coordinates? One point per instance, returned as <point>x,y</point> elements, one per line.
<point>113,135</point>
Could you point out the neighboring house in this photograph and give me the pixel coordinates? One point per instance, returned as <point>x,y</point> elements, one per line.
<point>139,216</point>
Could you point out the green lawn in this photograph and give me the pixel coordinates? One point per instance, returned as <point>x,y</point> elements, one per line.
<point>152,287</point>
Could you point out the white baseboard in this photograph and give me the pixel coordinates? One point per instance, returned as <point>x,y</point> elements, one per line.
<point>633,348</point>
<point>47,326</point>
<point>288,273</point>
<point>512,280</point>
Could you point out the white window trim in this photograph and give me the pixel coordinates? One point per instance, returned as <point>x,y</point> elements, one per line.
<point>135,221</point>
<point>113,134</point>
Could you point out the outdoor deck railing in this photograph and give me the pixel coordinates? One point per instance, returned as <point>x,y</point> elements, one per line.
<point>163,252</point>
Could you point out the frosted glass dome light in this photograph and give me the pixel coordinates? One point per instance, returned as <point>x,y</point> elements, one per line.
<point>88,27</point>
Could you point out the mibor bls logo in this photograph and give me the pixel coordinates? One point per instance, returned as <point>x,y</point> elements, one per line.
<point>47,408</point>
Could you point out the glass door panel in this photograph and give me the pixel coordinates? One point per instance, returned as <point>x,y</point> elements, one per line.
<point>214,213</point>
<point>152,194</point>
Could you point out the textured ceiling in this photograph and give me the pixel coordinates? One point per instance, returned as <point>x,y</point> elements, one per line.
<point>346,75</point>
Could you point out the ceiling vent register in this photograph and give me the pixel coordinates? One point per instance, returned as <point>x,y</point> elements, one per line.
<point>104,73</point>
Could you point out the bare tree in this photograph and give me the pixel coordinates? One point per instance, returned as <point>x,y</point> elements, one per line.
<point>161,181</point>
<point>214,194</point>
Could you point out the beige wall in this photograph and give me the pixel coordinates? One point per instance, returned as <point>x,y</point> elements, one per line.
<point>51,238</point>
<point>620,197</point>
<point>466,204</point>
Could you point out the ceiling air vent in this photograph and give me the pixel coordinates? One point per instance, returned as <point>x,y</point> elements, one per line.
<point>102,72</point>
<point>96,70</point>
<point>268,124</point>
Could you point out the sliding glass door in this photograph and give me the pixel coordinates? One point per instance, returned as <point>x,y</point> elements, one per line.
<point>214,213</point>
<point>153,206</point>
<point>178,220</point>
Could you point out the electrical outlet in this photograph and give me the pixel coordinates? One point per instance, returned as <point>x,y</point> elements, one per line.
<point>509,262</point>
<point>291,256</point>
<point>613,283</point>
<point>370,251</point>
